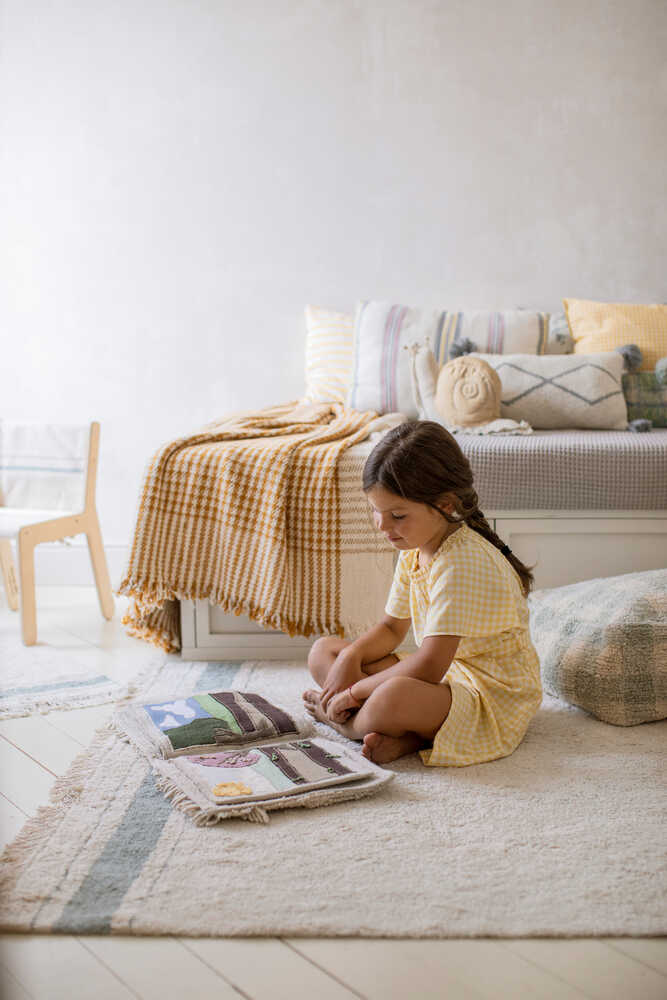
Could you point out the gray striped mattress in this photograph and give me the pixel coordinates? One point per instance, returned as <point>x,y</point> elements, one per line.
<point>562,469</point>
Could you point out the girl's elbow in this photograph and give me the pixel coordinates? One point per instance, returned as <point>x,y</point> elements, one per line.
<point>433,671</point>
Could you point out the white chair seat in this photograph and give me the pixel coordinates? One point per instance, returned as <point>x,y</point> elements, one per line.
<point>13,518</point>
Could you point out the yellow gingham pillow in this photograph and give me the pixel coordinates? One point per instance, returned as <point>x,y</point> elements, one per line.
<point>329,337</point>
<point>603,326</point>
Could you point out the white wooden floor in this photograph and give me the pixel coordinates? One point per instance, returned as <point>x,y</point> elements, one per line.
<point>160,968</point>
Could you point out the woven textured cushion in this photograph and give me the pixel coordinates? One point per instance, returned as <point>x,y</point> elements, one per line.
<point>383,330</point>
<point>328,354</point>
<point>603,645</point>
<point>603,326</point>
<point>568,390</point>
<point>645,397</point>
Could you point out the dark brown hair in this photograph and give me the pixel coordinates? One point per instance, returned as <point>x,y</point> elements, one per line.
<point>420,460</point>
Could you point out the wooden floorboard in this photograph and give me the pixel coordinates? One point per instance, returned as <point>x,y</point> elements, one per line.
<point>267,969</point>
<point>155,968</point>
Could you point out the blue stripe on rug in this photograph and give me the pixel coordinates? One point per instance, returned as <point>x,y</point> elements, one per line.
<point>91,908</point>
<point>55,687</point>
<point>218,675</point>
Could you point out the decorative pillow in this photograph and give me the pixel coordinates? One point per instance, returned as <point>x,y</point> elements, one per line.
<point>381,370</point>
<point>328,355</point>
<point>424,371</point>
<point>645,397</point>
<point>560,339</point>
<point>468,392</point>
<point>603,645</point>
<point>568,390</point>
<point>602,326</point>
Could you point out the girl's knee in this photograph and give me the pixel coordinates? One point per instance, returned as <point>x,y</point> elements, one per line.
<point>388,696</point>
<point>395,689</point>
<point>323,652</point>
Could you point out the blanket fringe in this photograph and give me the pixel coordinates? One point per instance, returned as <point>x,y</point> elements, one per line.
<point>161,625</point>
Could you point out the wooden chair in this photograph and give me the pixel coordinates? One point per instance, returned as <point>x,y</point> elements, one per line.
<point>48,475</point>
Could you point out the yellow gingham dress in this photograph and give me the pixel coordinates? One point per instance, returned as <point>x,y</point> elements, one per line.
<point>469,589</point>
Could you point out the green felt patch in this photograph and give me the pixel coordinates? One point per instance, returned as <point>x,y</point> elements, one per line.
<point>218,711</point>
<point>199,732</point>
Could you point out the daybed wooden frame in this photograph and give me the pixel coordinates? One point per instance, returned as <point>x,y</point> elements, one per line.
<point>567,546</point>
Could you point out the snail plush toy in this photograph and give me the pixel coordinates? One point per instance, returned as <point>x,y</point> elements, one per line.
<point>465,394</point>
<point>468,392</point>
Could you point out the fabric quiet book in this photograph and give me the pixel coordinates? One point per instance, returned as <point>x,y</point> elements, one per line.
<point>227,753</point>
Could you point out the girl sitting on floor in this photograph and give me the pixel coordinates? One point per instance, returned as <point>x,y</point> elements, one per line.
<point>469,691</point>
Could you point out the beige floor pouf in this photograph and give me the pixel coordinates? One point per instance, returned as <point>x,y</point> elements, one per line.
<point>603,645</point>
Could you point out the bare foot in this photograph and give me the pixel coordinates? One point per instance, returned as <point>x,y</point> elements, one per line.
<point>313,705</point>
<point>381,749</point>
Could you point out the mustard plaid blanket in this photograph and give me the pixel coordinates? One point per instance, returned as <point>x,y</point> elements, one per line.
<point>244,513</point>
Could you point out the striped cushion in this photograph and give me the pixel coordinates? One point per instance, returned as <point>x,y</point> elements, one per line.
<point>381,379</point>
<point>328,354</point>
<point>603,326</point>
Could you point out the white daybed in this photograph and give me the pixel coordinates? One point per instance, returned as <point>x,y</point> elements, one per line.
<point>578,504</point>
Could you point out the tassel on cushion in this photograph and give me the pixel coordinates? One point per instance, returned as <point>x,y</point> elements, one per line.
<point>460,347</point>
<point>661,371</point>
<point>640,426</point>
<point>632,357</point>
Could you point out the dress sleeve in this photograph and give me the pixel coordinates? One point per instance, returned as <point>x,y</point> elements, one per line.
<point>469,596</point>
<point>398,602</point>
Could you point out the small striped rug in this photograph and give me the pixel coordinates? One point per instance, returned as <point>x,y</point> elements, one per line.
<point>562,838</point>
<point>65,673</point>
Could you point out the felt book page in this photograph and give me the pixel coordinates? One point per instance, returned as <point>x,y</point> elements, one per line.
<point>268,770</point>
<point>206,722</point>
<point>230,754</point>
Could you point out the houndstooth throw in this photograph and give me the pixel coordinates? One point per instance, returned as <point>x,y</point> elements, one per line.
<point>244,513</point>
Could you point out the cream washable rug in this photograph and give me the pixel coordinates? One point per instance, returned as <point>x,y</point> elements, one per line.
<point>566,837</point>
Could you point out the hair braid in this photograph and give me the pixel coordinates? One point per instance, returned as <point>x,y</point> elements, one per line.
<point>421,461</point>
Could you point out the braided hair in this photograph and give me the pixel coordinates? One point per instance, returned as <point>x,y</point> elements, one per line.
<point>420,461</point>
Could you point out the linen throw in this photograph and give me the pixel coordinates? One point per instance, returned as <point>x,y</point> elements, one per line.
<point>244,513</point>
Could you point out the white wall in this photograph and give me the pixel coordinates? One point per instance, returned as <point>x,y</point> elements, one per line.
<point>179,178</point>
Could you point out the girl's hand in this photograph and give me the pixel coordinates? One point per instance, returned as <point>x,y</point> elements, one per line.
<point>341,707</point>
<point>344,671</point>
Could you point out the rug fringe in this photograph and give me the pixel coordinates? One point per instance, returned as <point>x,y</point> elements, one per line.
<point>125,691</point>
<point>208,817</point>
<point>38,828</point>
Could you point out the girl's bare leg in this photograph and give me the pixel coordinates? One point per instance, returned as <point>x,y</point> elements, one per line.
<point>401,716</point>
<point>325,650</point>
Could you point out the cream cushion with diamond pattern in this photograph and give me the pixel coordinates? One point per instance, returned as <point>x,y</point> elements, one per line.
<point>563,390</point>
